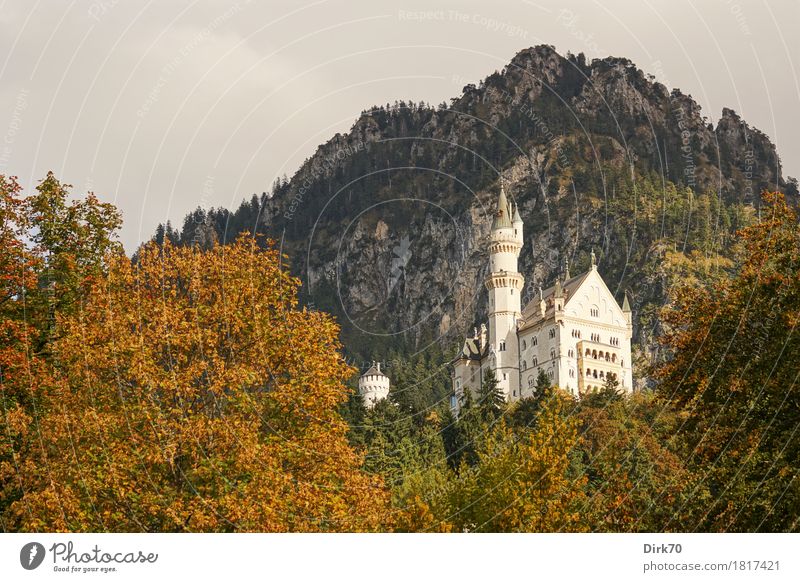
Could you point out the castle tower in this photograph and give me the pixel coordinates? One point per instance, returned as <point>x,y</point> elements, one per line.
<point>505,285</point>
<point>373,385</point>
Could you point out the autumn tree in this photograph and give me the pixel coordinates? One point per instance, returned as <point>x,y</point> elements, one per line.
<point>735,359</point>
<point>50,249</point>
<point>194,395</point>
<point>522,480</point>
<point>636,481</point>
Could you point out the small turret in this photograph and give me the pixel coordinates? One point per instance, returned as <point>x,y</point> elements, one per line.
<point>558,296</point>
<point>542,304</point>
<point>626,309</point>
<point>373,385</point>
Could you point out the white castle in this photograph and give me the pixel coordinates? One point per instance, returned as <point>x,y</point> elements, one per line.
<point>373,385</point>
<point>575,332</point>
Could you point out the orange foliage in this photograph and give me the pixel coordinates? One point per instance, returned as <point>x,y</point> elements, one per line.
<point>194,395</point>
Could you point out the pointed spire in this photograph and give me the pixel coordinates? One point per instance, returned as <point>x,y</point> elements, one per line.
<point>517,217</point>
<point>626,306</point>
<point>566,269</point>
<point>542,304</point>
<point>502,217</point>
<point>558,291</point>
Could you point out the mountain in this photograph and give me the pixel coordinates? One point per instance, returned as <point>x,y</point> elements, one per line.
<point>387,224</point>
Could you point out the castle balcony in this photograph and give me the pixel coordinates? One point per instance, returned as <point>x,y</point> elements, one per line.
<point>596,361</point>
<point>504,279</point>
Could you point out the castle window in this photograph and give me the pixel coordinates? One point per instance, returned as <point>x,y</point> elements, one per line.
<point>502,346</point>
<point>535,361</point>
<point>505,377</point>
<point>535,342</point>
<point>552,332</point>
<point>571,373</point>
<point>614,357</point>
<point>530,381</point>
<point>571,353</point>
<point>594,311</point>
<point>524,366</point>
<point>552,354</point>
<point>524,345</point>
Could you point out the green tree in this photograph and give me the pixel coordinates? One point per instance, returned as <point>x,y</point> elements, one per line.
<point>491,399</point>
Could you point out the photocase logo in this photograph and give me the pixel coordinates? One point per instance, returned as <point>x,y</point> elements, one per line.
<point>31,555</point>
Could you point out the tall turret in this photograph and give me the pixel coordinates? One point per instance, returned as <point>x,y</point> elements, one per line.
<point>505,285</point>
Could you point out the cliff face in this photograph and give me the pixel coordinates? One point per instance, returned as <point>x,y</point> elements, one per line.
<point>387,224</point>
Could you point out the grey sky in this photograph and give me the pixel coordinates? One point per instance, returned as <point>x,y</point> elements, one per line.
<point>164,106</point>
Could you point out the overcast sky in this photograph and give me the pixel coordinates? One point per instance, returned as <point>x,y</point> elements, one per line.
<point>163,106</point>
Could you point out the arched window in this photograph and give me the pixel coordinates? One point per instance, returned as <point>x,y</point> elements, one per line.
<point>571,373</point>
<point>524,345</point>
<point>530,381</point>
<point>552,354</point>
<point>594,311</point>
<point>588,352</point>
<point>613,357</point>
<point>502,345</point>
<point>524,366</point>
<point>535,361</point>
<point>535,341</point>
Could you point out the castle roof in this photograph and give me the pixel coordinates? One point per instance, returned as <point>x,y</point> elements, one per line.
<point>472,350</point>
<point>374,370</point>
<point>502,218</point>
<point>532,313</point>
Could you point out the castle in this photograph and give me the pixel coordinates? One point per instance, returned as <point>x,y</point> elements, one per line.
<point>574,331</point>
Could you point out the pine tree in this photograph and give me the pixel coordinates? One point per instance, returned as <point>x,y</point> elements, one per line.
<point>491,400</point>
